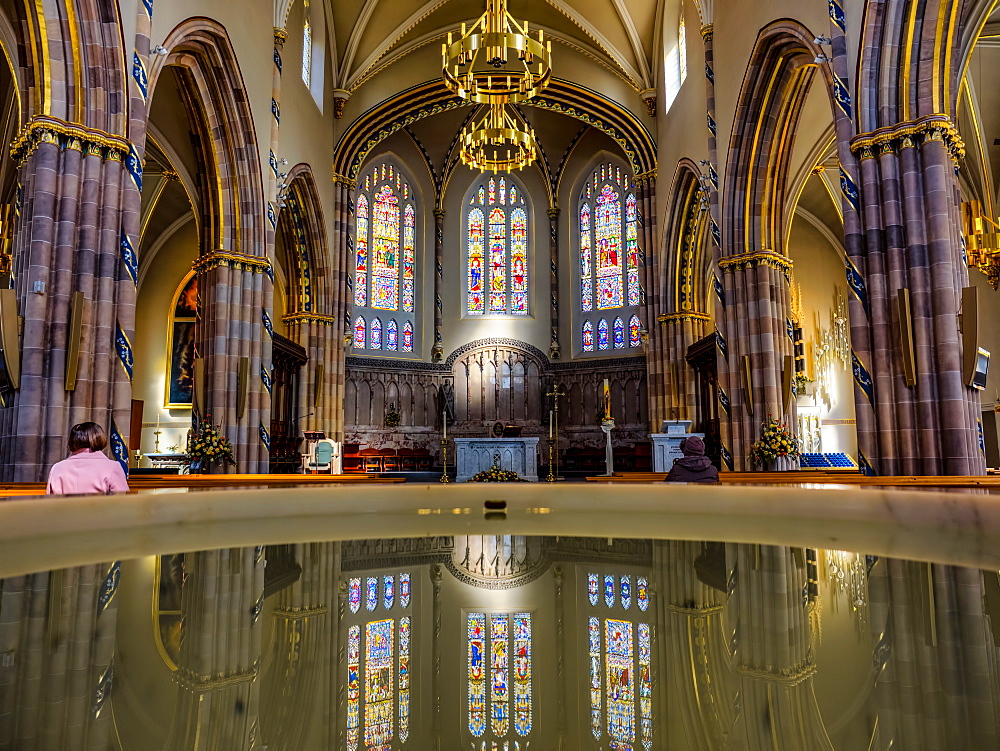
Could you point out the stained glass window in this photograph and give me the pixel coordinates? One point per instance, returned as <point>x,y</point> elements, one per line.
<point>359,332</point>
<point>379,683</point>
<point>645,687</point>
<point>388,591</point>
<point>497,266</point>
<point>404,675</point>
<point>609,591</point>
<point>642,593</point>
<point>404,590</point>
<point>592,588</point>
<point>371,589</point>
<point>602,334</point>
<point>634,331</point>
<point>626,592</point>
<point>407,337</point>
<point>619,330</point>
<point>596,697</point>
<point>307,41</point>
<point>375,335</point>
<point>500,674</point>
<point>682,47</point>
<point>385,254</point>
<point>391,334</point>
<point>588,336</point>
<point>609,253</point>
<point>354,595</point>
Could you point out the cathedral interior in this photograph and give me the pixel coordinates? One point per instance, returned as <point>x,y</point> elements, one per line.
<point>318,268</point>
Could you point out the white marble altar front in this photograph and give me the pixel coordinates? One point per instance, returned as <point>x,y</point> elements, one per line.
<point>667,445</point>
<point>473,455</point>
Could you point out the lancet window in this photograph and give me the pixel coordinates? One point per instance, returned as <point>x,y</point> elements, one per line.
<point>619,652</point>
<point>496,245</point>
<point>384,262</point>
<point>499,679</point>
<point>378,662</point>
<point>609,260</point>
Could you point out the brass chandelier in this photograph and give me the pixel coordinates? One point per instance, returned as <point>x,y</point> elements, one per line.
<point>982,241</point>
<point>496,62</point>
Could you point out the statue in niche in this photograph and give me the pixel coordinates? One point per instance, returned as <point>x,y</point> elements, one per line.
<point>446,401</point>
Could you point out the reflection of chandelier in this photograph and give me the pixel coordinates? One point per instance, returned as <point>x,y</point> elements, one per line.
<point>475,67</point>
<point>982,241</point>
<point>500,142</point>
<point>495,62</point>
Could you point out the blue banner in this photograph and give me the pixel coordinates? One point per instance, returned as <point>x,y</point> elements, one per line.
<point>721,341</point>
<point>711,125</point>
<point>866,468</point>
<point>727,458</point>
<point>119,450</point>
<point>790,329</point>
<point>857,284</point>
<point>863,378</point>
<point>720,292</point>
<point>709,74</point>
<point>134,166</point>
<point>724,400</point>
<point>716,233</point>
<point>148,5</point>
<point>130,259</point>
<point>713,176</point>
<point>139,75</point>
<point>124,348</point>
<point>271,216</point>
<point>265,438</point>
<point>842,95</point>
<point>109,587</point>
<point>277,59</point>
<point>276,111</point>
<point>850,190</point>
<point>837,15</point>
<point>265,378</point>
<point>267,322</point>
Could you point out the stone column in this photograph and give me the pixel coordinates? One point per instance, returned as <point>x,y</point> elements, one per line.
<point>554,351</point>
<point>648,309</point>
<point>680,331</point>
<point>437,350</point>
<point>342,250</point>
<point>320,335</point>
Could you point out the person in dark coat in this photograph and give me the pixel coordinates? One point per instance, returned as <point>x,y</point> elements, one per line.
<point>694,466</point>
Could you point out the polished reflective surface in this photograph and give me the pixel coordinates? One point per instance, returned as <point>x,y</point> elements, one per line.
<point>505,642</point>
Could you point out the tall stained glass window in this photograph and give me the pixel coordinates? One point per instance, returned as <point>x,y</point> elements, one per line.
<point>497,268</point>
<point>609,258</point>
<point>385,214</point>
<point>307,53</point>
<point>378,663</point>
<point>499,675</point>
<point>619,653</point>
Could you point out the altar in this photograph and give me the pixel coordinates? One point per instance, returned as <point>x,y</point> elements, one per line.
<point>667,445</point>
<point>474,455</point>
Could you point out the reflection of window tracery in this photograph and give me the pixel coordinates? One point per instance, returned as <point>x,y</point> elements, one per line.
<point>499,677</point>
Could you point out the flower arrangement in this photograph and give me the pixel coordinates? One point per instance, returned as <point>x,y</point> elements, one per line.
<point>495,474</point>
<point>801,381</point>
<point>209,445</point>
<point>775,442</point>
<point>392,417</point>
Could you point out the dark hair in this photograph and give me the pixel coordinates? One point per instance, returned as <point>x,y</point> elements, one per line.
<point>87,435</point>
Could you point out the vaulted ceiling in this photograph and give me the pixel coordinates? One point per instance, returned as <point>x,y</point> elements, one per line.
<point>369,37</point>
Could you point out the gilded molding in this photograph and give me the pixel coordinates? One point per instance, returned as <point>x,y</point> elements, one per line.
<point>344,180</point>
<point>756,258</point>
<point>785,676</point>
<point>707,32</point>
<point>687,315</point>
<point>309,318</point>
<point>47,129</point>
<point>202,683</point>
<point>294,614</point>
<point>219,258</point>
<point>905,135</point>
<point>280,36</point>
<point>694,611</point>
<point>643,176</point>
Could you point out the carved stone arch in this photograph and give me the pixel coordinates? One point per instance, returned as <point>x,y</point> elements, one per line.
<point>302,226</point>
<point>683,259</point>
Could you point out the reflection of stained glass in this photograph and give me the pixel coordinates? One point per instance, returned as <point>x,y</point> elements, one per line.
<point>626,592</point>
<point>595,676</point>
<point>642,593</point>
<point>408,259</point>
<point>379,682</point>
<point>407,337</point>
<point>498,261</point>
<point>602,334</point>
<point>503,191</point>
<point>634,327</point>
<point>608,241</point>
<point>588,336</point>
<point>359,332</point>
<point>371,593</point>
<point>522,674</point>
<point>361,264</point>
<point>353,686</point>
<point>593,587</point>
<point>619,333</point>
<point>645,687</point>
<point>493,191</point>
<point>391,334</point>
<point>518,261</point>
<point>354,595</point>
<point>477,675</point>
<point>388,591</point>
<point>499,688</point>
<point>404,676</point>
<point>632,250</point>
<point>375,335</point>
<point>476,260</point>
<point>586,268</point>
<point>385,250</point>
<point>404,590</point>
<point>618,660</point>
<point>609,591</point>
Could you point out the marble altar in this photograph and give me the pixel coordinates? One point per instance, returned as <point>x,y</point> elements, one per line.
<point>473,455</point>
<point>667,445</point>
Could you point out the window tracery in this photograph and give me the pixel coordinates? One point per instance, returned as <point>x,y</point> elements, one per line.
<point>499,677</point>
<point>497,266</point>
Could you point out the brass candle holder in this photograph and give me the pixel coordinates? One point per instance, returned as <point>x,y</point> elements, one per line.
<point>552,474</point>
<point>444,461</point>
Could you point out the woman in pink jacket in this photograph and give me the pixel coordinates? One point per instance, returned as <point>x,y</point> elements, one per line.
<point>87,469</point>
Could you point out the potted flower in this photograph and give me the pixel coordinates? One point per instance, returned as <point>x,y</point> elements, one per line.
<point>495,474</point>
<point>208,446</point>
<point>802,382</point>
<point>777,449</point>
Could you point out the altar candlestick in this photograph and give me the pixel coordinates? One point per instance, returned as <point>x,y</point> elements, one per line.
<point>444,424</point>
<point>551,415</point>
<point>607,400</point>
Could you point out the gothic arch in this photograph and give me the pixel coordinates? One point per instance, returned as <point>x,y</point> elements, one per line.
<point>303,229</point>
<point>683,256</point>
